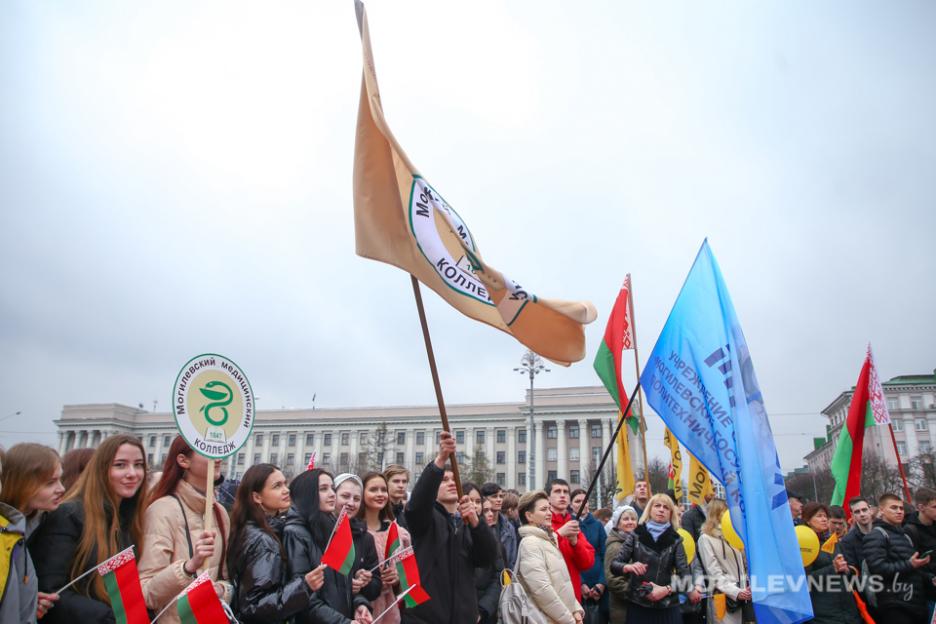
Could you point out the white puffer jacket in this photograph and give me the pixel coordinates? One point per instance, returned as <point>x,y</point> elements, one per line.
<point>542,572</point>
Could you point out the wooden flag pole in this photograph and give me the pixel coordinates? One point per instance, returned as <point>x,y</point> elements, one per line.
<point>604,458</point>
<point>435,377</point>
<point>641,402</point>
<point>209,504</point>
<point>900,467</point>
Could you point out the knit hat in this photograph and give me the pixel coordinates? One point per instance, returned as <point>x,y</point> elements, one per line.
<point>616,517</point>
<point>344,476</point>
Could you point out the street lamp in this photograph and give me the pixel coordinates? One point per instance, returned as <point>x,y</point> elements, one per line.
<point>531,365</point>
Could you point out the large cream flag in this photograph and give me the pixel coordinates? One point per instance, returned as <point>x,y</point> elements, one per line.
<point>399,218</point>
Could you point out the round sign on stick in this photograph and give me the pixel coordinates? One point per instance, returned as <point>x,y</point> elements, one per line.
<point>728,531</point>
<point>808,544</point>
<point>213,406</point>
<point>688,544</point>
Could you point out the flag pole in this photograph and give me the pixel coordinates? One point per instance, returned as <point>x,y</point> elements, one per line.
<point>900,467</point>
<point>640,402</point>
<point>435,377</point>
<point>604,458</point>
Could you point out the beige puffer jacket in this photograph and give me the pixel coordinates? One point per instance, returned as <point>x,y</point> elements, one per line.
<point>165,548</point>
<point>542,572</point>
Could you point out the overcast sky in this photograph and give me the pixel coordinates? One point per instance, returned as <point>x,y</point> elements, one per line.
<point>175,178</point>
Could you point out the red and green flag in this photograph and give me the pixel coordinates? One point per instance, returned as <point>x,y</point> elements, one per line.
<point>407,570</point>
<point>867,409</point>
<point>339,553</point>
<point>122,582</point>
<point>199,603</point>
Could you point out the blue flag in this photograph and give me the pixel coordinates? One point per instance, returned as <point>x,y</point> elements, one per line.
<point>700,380</point>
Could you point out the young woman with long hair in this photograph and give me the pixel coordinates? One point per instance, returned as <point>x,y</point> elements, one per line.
<point>32,484</point>
<point>377,514</point>
<point>724,565</point>
<point>266,591</point>
<point>101,516</point>
<point>176,546</point>
<point>309,525</point>
<point>348,493</point>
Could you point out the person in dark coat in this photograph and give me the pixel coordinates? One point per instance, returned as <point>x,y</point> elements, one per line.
<point>890,553</point>
<point>309,525</point>
<point>851,545</point>
<point>448,548</point>
<point>832,602</point>
<point>694,518</point>
<point>594,585</point>
<point>108,499</point>
<point>504,529</point>
<point>652,556</point>
<point>922,531</point>
<point>264,591</point>
<point>487,578</point>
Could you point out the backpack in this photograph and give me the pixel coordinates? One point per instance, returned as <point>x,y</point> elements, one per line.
<point>514,606</point>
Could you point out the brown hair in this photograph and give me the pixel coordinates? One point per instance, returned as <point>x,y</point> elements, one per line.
<point>102,510</point>
<point>713,514</point>
<point>26,468</point>
<point>527,501</point>
<point>386,513</point>
<point>811,509</point>
<point>393,470</point>
<point>511,500</point>
<point>73,464</point>
<point>246,510</point>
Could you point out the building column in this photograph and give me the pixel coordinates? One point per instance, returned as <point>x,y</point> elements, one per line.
<point>511,458</point>
<point>584,448</point>
<point>249,453</point>
<point>540,449</point>
<point>489,444</point>
<point>409,450</point>
<point>300,450</point>
<point>562,467</point>
<point>355,436</point>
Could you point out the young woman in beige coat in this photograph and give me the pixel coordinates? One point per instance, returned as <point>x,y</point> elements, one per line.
<point>176,547</point>
<point>541,568</point>
<point>724,565</point>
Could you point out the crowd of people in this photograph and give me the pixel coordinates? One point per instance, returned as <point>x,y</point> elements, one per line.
<point>60,517</point>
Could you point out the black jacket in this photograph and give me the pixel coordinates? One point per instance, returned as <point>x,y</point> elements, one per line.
<point>447,552</point>
<point>887,549</point>
<point>665,559</point>
<point>693,520</point>
<point>924,539</point>
<point>487,587</point>
<point>398,515</point>
<point>336,604</point>
<point>53,549</point>
<point>263,589</point>
<point>835,603</point>
<point>852,547</point>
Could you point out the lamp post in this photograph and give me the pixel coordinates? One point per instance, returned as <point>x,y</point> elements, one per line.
<point>531,365</point>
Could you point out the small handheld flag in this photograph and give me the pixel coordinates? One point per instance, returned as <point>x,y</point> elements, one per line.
<point>339,553</point>
<point>122,582</point>
<point>199,603</point>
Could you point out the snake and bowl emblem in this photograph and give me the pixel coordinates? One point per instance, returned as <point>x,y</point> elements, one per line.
<point>218,401</point>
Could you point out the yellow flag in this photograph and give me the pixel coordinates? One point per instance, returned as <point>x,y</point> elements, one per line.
<point>674,479</point>
<point>829,545</point>
<point>400,219</point>
<point>700,483</point>
<point>625,469</point>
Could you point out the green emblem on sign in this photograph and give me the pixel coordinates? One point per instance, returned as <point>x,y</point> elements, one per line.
<point>219,400</point>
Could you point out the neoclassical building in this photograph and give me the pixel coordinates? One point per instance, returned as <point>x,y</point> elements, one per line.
<point>572,426</point>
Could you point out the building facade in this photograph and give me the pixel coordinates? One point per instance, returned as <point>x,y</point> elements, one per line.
<point>572,426</point>
<point>911,402</point>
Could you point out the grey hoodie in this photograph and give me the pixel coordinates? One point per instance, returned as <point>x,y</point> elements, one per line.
<point>18,603</point>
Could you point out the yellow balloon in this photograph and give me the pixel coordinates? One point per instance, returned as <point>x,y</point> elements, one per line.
<point>731,536</point>
<point>808,544</point>
<point>688,543</point>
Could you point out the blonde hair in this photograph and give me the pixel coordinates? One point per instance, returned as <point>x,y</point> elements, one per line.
<point>660,498</point>
<point>27,467</point>
<point>713,513</point>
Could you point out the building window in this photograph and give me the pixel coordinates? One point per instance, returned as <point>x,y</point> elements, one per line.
<point>290,459</point>
<point>902,448</point>
<point>274,440</point>
<point>596,454</point>
<point>479,436</point>
<point>575,476</point>
<point>460,457</point>
<point>344,462</point>
<point>399,458</point>
<point>573,432</point>
<point>501,436</point>
<point>595,431</point>
<point>362,437</point>
<point>501,457</point>
<point>240,459</point>
<point>898,424</point>
<point>521,436</point>
<point>892,403</point>
<point>167,440</point>
<point>920,424</point>
<point>291,440</point>
<point>326,459</point>
<point>438,437</point>
<point>306,459</point>
<point>273,458</point>
<point>401,438</point>
<point>420,438</point>
<point>926,447</point>
<point>361,461</point>
<point>501,479</point>
<point>310,439</point>
<point>916,403</point>
<point>552,454</point>
<point>420,458</point>
<point>152,441</point>
<point>521,479</point>
<point>345,439</point>
<point>550,475</point>
<point>326,439</point>
<point>552,432</point>
<point>149,459</point>
<point>521,457</point>
<point>574,453</point>
<point>256,458</point>
<point>460,436</point>
<point>258,439</point>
